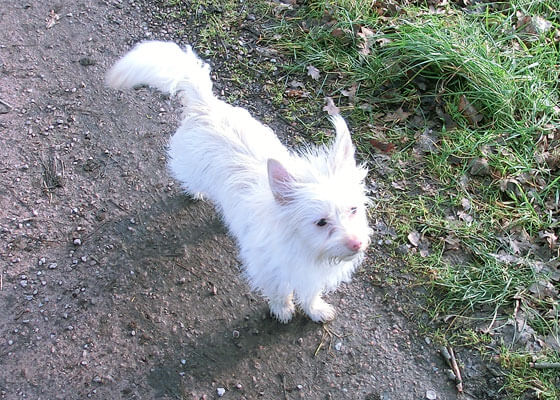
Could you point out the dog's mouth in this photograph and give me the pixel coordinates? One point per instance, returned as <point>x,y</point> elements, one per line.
<point>334,260</point>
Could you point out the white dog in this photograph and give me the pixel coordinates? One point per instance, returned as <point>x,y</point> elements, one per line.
<point>299,218</point>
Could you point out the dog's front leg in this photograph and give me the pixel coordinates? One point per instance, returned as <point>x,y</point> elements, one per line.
<point>318,309</point>
<point>282,307</point>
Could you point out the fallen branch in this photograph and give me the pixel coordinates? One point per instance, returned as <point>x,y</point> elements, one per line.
<point>545,365</point>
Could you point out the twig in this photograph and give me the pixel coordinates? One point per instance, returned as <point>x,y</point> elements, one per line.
<point>456,370</point>
<point>449,356</point>
<point>545,365</point>
<point>487,330</point>
<point>283,378</point>
<point>6,104</point>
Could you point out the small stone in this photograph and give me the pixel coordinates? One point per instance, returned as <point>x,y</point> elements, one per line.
<point>183,361</point>
<point>10,342</point>
<point>431,395</point>
<point>132,333</point>
<point>86,61</point>
<point>450,374</point>
<point>77,242</point>
<point>52,266</point>
<point>299,387</point>
<point>235,334</point>
<point>70,328</point>
<point>220,391</point>
<point>338,346</point>
<point>97,379</point>
<point>23,283</point>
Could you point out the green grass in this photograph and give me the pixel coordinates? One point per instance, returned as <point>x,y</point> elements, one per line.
<point>510,77</point>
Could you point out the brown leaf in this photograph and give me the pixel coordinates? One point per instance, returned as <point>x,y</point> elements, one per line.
<point>296,84</point>
<point>382,146</point>
<point>452,242</point>
<point>350,93</point>
<point>550,237</point>
<point>330,107</point>
<point>313,72</point>
<point>52,19</point>
<point>366,40</point>
<point>397,116</point>
<point>297,93</point>
<point>479,167</point>
<point>337,32</point>
<point>465,217</point>
<point>469,111</point>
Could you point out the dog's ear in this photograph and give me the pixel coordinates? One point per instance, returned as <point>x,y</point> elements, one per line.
<point>342,150</point>
<point>280,181</point>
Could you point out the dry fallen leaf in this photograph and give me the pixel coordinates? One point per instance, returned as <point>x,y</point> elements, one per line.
<point>330,107</point>
<point>550,237</point>
<point>469,111</point>
<point>397,116</point>
<point>313,72</point>
<point>337,32</point>
<point>296,84</point>
<point>52,19</point>
<point>350,93</point>
<point>382,146</point>
<point>465,217</point>
<point>452,242</point>
<point>297,93</point>
<point>367,39</point>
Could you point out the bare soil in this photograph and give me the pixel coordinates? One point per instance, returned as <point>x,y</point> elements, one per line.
<point>115,285</point>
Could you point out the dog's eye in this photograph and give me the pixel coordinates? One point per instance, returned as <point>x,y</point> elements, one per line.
<point>321,222</point>
<point>353,210</point>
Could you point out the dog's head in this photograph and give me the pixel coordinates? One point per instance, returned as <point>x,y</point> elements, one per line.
<point>322,196</point>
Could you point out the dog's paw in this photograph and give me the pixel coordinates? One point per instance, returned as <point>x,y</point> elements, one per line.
<point>283,311</point>
<point>199,196</point>
<point>321,311</point>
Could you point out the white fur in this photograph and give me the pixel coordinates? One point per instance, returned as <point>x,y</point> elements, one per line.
<point>270,198</point>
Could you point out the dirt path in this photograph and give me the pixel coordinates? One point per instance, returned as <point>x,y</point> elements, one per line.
<point>115,285</point>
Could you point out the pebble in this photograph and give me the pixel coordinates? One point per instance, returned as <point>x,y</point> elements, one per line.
<point>338,346</point>
<point>77,242</point>
<point>183,361</point>
<point>23,283</point>
<point>431,395</point>
<point>53,266</point>
<point>220,391</point>
<point>10,342</point>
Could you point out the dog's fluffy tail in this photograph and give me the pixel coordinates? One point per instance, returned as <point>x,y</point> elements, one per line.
<point>165,66</point>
